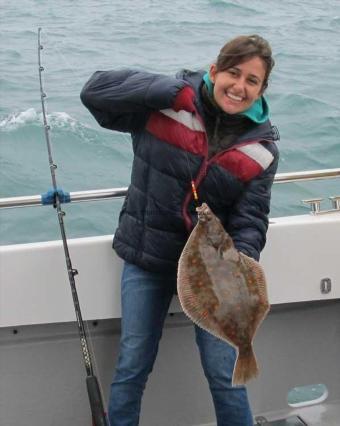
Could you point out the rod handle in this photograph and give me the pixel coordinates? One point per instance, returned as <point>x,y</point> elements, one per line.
<point>96,403</point>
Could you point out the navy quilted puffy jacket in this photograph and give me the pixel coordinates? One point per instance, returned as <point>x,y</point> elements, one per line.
<point>165,118</point>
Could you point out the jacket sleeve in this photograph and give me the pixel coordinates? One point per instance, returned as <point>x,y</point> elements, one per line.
<point>248,222</point>
<point>122,100</point>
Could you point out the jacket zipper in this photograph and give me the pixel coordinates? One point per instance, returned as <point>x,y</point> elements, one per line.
<point>203,171</point>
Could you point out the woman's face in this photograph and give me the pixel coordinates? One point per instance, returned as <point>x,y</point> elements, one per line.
<point>238,87</point>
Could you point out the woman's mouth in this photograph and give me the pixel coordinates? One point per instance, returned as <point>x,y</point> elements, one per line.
<point>234,97</point>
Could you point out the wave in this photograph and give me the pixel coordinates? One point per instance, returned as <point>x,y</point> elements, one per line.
<point>15,120</point>
<point>305,104</point>
<point>28,125</point>
<point>234,5</point>
<point>11,54</point>
<point>31,116</point>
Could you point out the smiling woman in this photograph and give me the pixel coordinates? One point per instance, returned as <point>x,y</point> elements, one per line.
<point>207,132</point>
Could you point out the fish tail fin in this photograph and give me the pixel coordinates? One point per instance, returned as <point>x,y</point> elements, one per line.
<point>246,367</point>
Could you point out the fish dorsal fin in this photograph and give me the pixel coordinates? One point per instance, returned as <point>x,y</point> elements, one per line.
<point>259,276</point>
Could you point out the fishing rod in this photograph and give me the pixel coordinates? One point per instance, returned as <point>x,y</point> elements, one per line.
<point>93,390</point>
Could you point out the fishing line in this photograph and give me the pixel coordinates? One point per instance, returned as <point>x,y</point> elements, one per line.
<point>94,394</point>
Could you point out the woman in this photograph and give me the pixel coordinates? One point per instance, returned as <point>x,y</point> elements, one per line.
<point>211,128</point>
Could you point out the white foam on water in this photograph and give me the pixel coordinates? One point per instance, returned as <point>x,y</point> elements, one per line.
<point>31,116</point>
<point>13,121</point>
<point>61,119</point>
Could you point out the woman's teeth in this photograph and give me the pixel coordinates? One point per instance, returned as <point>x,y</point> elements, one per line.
<point>234,97</point>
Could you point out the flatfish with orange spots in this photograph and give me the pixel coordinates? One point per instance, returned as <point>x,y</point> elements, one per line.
<point>222,290</point>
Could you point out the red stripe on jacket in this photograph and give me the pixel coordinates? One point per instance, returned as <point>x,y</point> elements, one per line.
<point>239,165</point>
<point>169,130</point>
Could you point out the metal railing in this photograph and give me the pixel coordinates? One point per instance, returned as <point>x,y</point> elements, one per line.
<point>307,175</point>
<point>78,196</point>
<point>106,194</point>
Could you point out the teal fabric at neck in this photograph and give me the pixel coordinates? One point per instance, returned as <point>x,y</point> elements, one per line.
<point>258,112</point>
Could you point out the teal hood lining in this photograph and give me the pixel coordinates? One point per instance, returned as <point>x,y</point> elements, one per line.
<point>258,112</point>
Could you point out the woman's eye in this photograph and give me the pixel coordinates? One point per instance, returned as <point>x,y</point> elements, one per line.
<point>232,72</point>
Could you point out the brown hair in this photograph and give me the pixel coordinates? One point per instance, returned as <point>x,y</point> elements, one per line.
<point>243,48</point>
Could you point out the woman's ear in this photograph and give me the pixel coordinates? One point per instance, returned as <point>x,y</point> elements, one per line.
<point>212,72</point>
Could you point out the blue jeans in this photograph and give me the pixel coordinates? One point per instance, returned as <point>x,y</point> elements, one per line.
<point>146,298</point>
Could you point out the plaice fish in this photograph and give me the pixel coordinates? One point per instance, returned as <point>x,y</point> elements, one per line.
<point>222,290</point>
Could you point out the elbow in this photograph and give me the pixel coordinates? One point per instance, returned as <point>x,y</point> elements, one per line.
<point>85,97</point>
<point>89,90</point>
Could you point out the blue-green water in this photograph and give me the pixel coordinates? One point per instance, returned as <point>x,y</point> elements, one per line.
<point>80,37</point>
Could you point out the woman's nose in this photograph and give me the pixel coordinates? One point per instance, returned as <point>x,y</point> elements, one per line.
<point>239,85</point>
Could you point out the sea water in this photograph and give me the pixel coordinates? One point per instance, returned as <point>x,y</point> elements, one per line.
<point>80,37</point>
